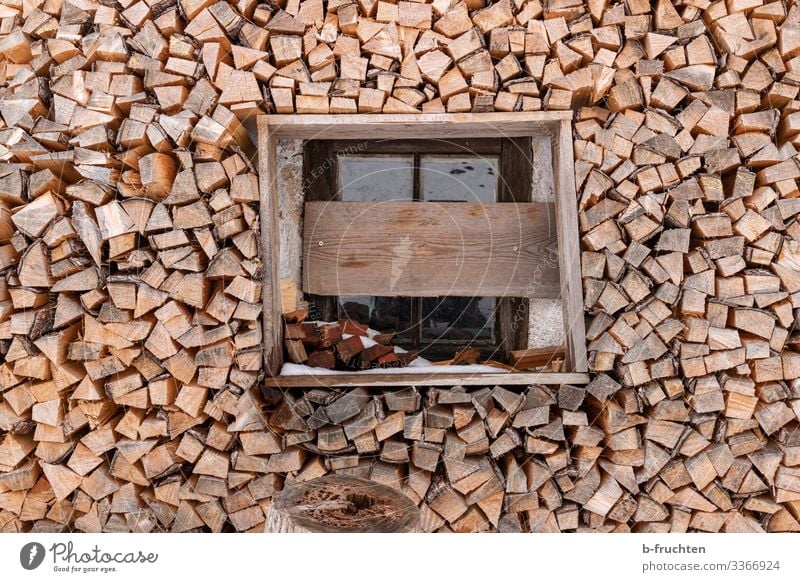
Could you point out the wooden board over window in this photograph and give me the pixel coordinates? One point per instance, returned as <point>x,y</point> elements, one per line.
<point>405,248</point>
<point>453,254</point>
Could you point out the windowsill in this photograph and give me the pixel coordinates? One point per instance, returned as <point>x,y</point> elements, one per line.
<point>378,379</point>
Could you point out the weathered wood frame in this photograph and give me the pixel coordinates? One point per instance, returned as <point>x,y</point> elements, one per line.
<point>557,125</point>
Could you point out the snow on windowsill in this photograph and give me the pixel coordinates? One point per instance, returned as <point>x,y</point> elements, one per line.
<point>417,366</point>
<point>413,368</point>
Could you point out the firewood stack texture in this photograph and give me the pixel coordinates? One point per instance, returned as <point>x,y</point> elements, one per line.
<point>344,345</point>
<point>130,296</point>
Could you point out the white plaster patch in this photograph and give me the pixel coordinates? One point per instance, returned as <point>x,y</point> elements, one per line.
<point>546,323</point>
<point>290,205</point>
<point>542,189</point>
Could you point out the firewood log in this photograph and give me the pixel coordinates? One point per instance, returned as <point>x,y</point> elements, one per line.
<point>341,504</point>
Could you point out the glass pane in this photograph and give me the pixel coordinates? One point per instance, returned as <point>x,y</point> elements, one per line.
<point>376,178</point>
<point>384,314</point>
<point>456,179</point>
<point>462,319</point>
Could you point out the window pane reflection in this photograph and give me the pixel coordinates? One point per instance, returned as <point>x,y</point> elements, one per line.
<point>457,318</point>
<point>452,179</point>
<point>376,178</point>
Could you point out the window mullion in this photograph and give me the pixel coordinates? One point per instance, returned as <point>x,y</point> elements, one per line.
<point>417,188</point>
<point>416,302</point>
<point>416,322</point>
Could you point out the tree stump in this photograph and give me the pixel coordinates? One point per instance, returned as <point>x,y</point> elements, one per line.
<point>341,504</point>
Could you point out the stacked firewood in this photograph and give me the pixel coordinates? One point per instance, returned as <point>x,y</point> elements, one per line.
<point>130,302</point>
<point>543,460</point>
<point>465,456</point>
<point>130,297</point>
<point>343,345</point>
<point>688,214</point>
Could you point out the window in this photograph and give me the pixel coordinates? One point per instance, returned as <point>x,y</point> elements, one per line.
<point>484,171</point>
<point>424,224</point>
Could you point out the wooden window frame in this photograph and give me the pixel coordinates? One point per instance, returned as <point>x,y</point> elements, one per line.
<point>556,125</point>
<point>514,156</point>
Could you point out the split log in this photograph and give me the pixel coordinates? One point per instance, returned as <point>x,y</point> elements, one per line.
<point>341,504</point>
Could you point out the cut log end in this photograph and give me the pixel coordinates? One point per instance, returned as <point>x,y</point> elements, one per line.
<point>341,504</point>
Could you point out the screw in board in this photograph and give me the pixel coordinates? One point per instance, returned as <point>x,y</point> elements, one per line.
<point>320,243</point>
<point>514,249</point>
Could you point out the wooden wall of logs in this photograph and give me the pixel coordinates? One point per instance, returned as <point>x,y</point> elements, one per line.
<point>130,343</point>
